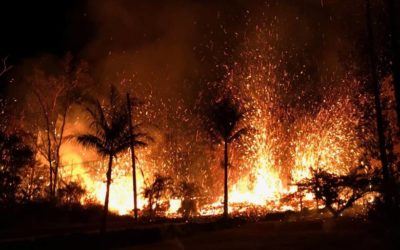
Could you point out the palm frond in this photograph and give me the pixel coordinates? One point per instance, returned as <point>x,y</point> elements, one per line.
<point>111,133</point>
<point>89,140</point>
<point>224,119</point>
<point>140,136</point>
<point>238,134</point>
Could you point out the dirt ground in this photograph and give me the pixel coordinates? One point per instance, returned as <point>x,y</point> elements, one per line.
<point>278,235</point>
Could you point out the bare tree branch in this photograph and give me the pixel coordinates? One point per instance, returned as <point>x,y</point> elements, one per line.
<point>5,68</point>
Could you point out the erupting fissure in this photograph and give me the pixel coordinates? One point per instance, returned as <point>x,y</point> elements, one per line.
<point>286,141</point>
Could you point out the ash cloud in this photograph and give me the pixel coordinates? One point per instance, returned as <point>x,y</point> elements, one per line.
<point>176,47</point>
<point>151,43</point>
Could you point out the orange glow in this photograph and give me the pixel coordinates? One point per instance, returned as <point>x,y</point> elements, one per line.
<point>326,140</point>
<point>285,142</point>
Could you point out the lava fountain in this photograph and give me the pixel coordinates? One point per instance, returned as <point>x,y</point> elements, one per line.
<point>290,135</point>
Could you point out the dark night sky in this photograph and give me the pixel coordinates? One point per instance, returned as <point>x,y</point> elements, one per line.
<point>30,28</point>
<point>176,44</point>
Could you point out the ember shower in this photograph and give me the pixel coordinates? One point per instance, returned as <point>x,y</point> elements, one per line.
<point>300,98</point>
<point>292,131</point>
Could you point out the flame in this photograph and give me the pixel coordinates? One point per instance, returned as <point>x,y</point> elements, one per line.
<point>121,189</point>
<point>326,140</point>
<point>286,142</point>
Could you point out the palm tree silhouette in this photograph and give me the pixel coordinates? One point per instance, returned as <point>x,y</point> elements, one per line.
<point>134,128</point>
<point>224,119</point>
<point>110,136</point>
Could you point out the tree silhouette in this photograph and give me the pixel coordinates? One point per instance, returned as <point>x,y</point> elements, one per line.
<point>157,192</point>
<point>15,154</point>
<point>378,106</point>
<point>70,193</point>
<point>187,192</point>
<point>339,192</point>
<point>110,136</point>
<point>224,120</point>
<point>55,95</point>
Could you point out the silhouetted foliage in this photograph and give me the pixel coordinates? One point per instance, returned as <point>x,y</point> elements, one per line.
<point>339,192</point>
<point>388,213</point>
<point>187,192</point>
<point>15,155</point>
<point>55,94</point>
<point>157,195</point>
<point>71,193</point>
<point>33,185</point>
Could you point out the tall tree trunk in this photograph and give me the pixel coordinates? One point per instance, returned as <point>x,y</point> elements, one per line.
<point>31,183</point>
<point>226,179</point>
<point>58,148</point>
<point>56,163</point>
<point>396,54</point>
<point>55,167</point>
<point>107,198</point>
<point>135,210</point>
<point>151,205</point>
<point>378,108</point>
<point>49,158</point>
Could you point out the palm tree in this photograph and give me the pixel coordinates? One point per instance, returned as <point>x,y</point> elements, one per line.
<point>111,135</point>
<point>224,119</point>
<point>133,143</point>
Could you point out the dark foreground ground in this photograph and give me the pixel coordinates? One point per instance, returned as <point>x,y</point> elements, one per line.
<point>239,233</point>
<point>276,235</point>
<point>287,235</point>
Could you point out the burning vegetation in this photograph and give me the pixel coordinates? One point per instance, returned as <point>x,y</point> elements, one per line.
<point>252,141</point>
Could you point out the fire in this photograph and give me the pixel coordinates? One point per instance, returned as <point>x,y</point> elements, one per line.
<point>330,142</point>
<point>175,204</point>
<point>121,195</point>
<point>326,141</point>
<point>286,141</point>
<point>267,186</point>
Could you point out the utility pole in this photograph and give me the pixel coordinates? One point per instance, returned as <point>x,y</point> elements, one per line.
<point>132,145</point>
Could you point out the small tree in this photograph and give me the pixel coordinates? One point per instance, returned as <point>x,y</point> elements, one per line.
<point>71,193</point>
<point>33,184</point>
<point>158,194</point>
<point>55,94</point>
<point>187,192</point>
<point>338,192</point>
